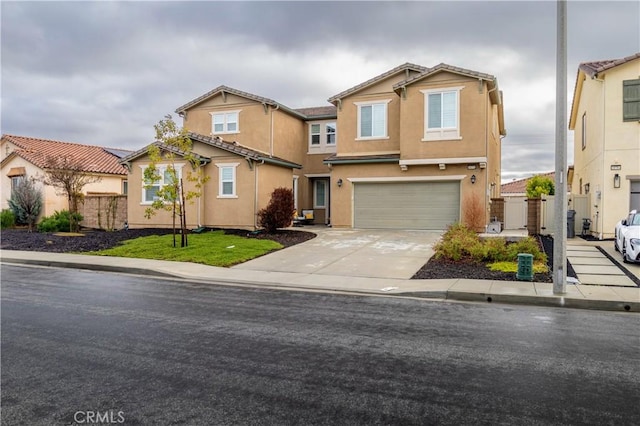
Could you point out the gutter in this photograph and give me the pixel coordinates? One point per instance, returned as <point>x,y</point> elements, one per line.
<point>363,161</point>
<point>279,162</point>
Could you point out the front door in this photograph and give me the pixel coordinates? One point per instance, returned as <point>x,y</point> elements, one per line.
<point>321,200</point>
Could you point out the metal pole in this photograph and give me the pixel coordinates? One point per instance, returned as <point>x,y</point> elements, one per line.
<point>560,208</point>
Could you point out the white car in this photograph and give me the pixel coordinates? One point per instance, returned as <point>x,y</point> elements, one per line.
<point>627,237</point>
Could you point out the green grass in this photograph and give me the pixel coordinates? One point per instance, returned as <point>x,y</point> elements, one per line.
<point>210,248</point>
<point>538,267</point>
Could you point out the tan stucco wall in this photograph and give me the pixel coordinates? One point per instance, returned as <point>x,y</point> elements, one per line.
<point>474,115</point>
<point>610,141</point>
<point>342,198</point>
<point>211,209</point>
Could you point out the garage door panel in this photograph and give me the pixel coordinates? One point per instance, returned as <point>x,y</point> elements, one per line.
<point>406,205</point>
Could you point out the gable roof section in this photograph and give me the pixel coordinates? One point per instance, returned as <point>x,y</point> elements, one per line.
<point>316,113</point>
<point>592,69</point>
<point>402,68</point>
<point>223,90</point>
<point>217,142</point>
<point>94,159</point>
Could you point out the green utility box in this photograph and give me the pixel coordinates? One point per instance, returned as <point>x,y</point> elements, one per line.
<point>525,267</point>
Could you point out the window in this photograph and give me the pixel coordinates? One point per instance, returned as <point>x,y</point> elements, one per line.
<point>322,137</point>
<point>442,114</point>
<point>225,122</point>
<point>584,130</point>
<point>125,187</point>
<point>372,120</point>
<point>315,134</point>
<point>631,100</point>
<point>331,133</point>
<point>227,180</point>
<point>320,194</point>
<point>15,181</point>
<point>150,189</point>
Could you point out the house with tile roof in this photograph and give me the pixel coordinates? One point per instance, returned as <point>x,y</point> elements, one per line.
<point>605,119</point>
<point>27,157</point>
<point>406,149</point>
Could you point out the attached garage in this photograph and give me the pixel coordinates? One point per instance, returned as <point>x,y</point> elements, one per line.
<point>406,205</point>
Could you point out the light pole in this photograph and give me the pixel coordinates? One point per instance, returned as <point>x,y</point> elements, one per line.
<point>560,208</point>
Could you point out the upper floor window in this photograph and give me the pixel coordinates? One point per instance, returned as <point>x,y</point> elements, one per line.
<point>227,180</point>
<point>442,113</point>
<point>372,119</point>
<point>584,130</point>
<point>225,122</point>
<point>322,137</point>
<point>631,100</point>
<point>166,177</point>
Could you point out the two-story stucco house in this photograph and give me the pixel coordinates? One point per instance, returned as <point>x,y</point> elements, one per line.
<point>407,149</point>
<point>605,118</point>
<point>26,157</point>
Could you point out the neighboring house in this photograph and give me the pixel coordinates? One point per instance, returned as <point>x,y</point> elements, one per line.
<point>605,118</point>
<point>26,157</point>
<point>406,149</point>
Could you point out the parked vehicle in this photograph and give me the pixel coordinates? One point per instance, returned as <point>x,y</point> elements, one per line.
<point>627,237</point>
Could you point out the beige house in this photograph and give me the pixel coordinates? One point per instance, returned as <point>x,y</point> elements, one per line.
<point>407,149</point>
<point>605,118</point>
<point>26,157</point>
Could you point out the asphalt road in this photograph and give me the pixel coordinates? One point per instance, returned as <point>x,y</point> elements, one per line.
<point>147,351</point>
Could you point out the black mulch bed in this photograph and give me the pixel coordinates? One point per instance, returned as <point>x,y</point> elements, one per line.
<point>20,239</point>
<point>443,269</point>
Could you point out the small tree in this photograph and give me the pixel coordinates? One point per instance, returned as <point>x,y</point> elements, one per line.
<point>539,185</point>
<point>26,202</point>
<point>68,177</point>
<point>172,149</point>
<point>279,211</point>
<point>473,212</point>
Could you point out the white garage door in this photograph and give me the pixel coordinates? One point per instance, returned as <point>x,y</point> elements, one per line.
<point>406,205</point>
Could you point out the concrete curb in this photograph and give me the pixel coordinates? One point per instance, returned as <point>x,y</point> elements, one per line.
<point>444,294</point>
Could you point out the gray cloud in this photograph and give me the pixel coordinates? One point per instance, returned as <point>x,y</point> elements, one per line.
<point>105,72</point>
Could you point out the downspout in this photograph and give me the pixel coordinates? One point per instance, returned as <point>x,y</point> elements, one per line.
<point>255,198</point>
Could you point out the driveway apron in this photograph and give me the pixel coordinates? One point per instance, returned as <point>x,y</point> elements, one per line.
<point>353,253</point>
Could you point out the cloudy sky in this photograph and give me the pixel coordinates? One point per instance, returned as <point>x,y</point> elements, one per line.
<point>104,73</point>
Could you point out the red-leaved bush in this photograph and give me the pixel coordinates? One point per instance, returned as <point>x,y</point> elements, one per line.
<point>279,211</point>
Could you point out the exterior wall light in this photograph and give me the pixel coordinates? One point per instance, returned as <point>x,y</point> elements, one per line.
<point>339,182</point>
<point>616,180</point>
<point>473,179</point>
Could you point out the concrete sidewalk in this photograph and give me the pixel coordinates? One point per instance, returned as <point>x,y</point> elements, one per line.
<point>577,296</point>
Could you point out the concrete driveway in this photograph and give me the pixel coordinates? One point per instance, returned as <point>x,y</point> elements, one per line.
<point>353,253</point>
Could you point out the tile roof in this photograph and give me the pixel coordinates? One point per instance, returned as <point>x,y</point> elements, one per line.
<point>520,186</point>
<point>232,147</point>
<point>94,159</point>
<point>404,67</point>
<point>593,68</point>
<point>316,112</point>
<point>226,89</point>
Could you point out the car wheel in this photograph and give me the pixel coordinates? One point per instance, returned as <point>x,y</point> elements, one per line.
<point>615,245</point>
<point>623,251</point>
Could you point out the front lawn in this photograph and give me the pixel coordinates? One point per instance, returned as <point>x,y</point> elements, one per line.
<point>210,248</point>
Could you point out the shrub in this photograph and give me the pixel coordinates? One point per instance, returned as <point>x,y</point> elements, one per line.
<point>60,221</point>
<point>527,245</point>
<point>457,242</point>
<point>279,211</point>
<point>26,202</point>
<point>7,219</point>
<point>496,249</point>
<point>538,268</point>
<point>538,185</point>
<point>473,212</point>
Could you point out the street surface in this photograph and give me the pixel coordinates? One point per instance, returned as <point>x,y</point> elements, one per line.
<point>77,345</point>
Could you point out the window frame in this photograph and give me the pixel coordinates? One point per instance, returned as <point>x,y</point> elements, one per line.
<point>325,200</point>
<point>627,102</point>
<point>441,133</point>
<point>222,181</point>
<point>162,169</point>
<point>225,122</point>
<point>385,125</point>
<point>328,134</point>
<point>312,134</point>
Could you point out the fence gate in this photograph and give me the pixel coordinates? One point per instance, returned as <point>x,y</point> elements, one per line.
<point>547,222</point>
<point>515,212</point>
<point>580,203</point>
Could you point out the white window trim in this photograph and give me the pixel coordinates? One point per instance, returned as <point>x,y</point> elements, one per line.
<point>161,169</point>
<point>326,194</point>
<point>221,166</point>
<point>442,134</point>
<point>359,105</point>
<point>225,113</point>
<point>322,147</point>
